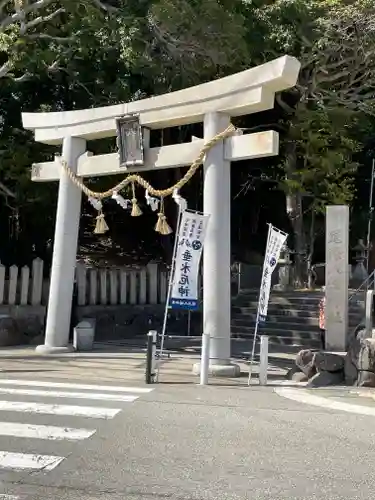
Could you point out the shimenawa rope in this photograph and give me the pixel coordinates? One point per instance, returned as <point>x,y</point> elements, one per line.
<point>137,179</point>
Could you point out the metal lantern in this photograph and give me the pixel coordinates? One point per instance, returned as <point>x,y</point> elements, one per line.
<point>130,141</point>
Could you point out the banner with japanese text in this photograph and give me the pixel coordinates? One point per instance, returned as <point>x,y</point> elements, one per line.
<point>192,230</point>
<point>275,241</point>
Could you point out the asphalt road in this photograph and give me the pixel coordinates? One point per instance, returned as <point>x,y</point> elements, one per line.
<point>182,442</point>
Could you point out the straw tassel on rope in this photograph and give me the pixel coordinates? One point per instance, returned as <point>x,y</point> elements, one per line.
<point>136,211</point>
<point>101,225</point>
<point>162,225</point>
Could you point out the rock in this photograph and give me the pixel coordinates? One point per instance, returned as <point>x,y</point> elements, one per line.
<point>305,362</point>
<point>292,371</point>
<point>322,379</point>
<point>299,377</point>
<point>362,354</point>
<point>366,379</point>
<point>358,334</point>
<point>350,371</point>
<point>9,333</point>
<point>328,362</point>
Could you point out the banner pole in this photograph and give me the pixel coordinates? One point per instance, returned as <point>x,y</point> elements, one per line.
<point>271,258</point>
<point>257,317</point>
<point>170,285</point>
<point>253,349</point>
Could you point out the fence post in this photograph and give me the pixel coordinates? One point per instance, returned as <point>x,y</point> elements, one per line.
<point>143,287</point>
<point>25,277</point>
<point>133,287</point>
<point>37,282</point>
<point>151,357</point>
<point>153,274</point>
<point>2,282</point>
<point>12,290</point>
<point>81,273</point>
<point>263,363</point>
<point>93,292</point>
<point>163,286</point>
<point>103,286</point>
<point>205,359</point>
<point>113,286</point>
<point>123,286</point>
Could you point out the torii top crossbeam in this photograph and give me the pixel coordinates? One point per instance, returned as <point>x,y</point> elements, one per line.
<point>240,94</point>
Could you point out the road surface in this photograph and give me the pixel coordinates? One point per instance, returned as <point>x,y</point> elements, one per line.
<point>82,441</point>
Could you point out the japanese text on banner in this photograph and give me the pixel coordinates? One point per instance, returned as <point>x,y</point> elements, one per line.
<point>276,240</point>
<point>191,235</point>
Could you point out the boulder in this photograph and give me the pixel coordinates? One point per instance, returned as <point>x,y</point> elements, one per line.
<point>299,377</point>
<point>9,332</point>
<point>362,354</point>
<point>290,373</point>
<point>324,378</point>
<point>296,375</point>
<point>366,379</point>
<point>328,362</point>
<point>305,361</point>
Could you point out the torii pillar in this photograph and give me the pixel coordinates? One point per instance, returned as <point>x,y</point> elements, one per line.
<point>214,104</point>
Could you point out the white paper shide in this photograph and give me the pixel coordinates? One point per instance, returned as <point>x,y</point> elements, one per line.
<point>275,242</point>
<point>191,235</point>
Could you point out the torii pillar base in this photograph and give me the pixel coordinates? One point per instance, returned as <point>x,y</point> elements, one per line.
<point>46,349</point>
<point>228,370</point>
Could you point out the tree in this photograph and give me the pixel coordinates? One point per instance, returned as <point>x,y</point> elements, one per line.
<point>336,46</point>
<point>324,145</point>
<point>35,34</point>
<point>141,48</point>
<point>195,40</point>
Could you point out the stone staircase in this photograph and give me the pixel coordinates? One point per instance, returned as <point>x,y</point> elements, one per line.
<point>292,320</point>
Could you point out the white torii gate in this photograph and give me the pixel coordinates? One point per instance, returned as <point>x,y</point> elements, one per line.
<point>213,103</point>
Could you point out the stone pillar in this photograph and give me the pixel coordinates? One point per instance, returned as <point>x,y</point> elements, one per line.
<point>217,251</point>
<point>64,253</point>
<point>337,276</point>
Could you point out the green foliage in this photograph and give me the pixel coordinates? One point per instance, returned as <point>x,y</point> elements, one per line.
<point>324,149</point>
<point>83,55</point>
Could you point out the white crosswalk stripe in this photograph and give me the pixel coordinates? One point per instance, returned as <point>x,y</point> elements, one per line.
<point>66,385</point>
<point>40,389</point>
<point>43,431</point>
<point>21,461</point>
<point>66,410</point>
<point>74,395</point>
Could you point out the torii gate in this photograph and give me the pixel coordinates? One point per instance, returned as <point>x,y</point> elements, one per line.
<point>213,103</point>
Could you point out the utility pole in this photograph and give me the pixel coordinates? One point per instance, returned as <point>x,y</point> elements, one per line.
<point>370,211</point>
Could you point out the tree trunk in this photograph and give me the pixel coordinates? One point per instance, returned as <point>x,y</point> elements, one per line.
<point>295,215</point>
<point>311,251</point>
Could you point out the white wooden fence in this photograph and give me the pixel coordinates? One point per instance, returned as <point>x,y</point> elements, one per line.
<point>147,285</point>
<point>95,286</point>
<point>22,286</point>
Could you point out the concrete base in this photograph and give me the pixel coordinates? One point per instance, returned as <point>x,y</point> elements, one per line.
<point>229,370</point>
<point>47,349</point>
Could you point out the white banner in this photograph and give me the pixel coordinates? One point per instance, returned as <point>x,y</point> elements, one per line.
<point>184,294</point>
<point>275,242</point>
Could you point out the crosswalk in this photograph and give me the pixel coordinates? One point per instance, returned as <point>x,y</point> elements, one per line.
<point>38,394</point>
